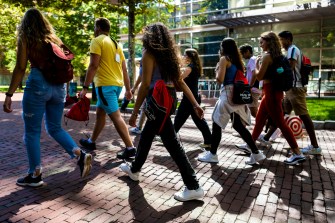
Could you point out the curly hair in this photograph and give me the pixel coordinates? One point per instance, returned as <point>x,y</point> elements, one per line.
<point>158,41</point>
<point>272,40</point>
<point>36,29</point>
<point>228,48</point>
<point>195,60</point>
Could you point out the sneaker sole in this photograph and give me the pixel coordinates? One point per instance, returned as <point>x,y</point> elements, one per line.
<point>190,199</point>
<point>87,165</point>
<point>31,184</point>
<point>208,161</point>
<point>296,162</point>
<point>243,149</point>
<point>129,174</point>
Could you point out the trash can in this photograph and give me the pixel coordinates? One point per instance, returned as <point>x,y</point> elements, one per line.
<point>73,89</point>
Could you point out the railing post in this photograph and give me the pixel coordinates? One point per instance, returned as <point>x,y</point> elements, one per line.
<point>319,87</point>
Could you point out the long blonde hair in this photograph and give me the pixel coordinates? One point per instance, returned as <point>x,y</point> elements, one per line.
<point>36,29</point>
<point>274,47</point>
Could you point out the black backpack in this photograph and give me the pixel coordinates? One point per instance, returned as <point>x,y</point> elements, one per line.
<point>283,75</point>
<point>58,68</point>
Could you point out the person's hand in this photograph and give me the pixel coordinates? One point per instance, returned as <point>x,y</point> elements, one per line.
<point>83,93</point>
<point>199,111</point>
<point>132,120</point>
<point>128,95</point>
<point>7,105</point>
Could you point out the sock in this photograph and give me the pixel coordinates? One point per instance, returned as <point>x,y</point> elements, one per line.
<point>90,140</point>
<point>129,147</point>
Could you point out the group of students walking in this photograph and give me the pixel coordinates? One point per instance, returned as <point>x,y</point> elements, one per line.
<point>161,75</point>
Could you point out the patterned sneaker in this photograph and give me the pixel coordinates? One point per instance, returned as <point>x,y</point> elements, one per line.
<point>254,158</point>
<point>204,146</point>
<point>126,153</point>
<point>84,163</point>
<point>310,150</point>
<point>125,167</point>
<point>295,159</point>
<point>87,145</point>
<point>136,131</point>
<point>187,195</point>
<point>264,142</point>
<point>208,157</point>
<point>158,139</point>
<point>244,148</point>
<point>30,181</point>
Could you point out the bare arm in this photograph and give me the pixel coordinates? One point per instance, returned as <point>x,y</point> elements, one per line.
<point>185,71</point>
<point>148,62</point>
<point>137,83</point>
<point>126,81</point>
<point>220,69</point>
<point>91,70</point>
<point>18,73</point>
<point>261,69</point>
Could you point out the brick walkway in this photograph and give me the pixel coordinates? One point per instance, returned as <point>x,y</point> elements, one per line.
<point>234,192</point>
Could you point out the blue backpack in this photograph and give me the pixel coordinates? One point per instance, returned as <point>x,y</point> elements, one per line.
<point>283,75</point>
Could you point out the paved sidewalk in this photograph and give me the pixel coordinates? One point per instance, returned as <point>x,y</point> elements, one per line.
<point>234,192</point>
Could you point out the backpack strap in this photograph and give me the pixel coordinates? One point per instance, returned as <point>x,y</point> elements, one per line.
<point>295,75</point>
<point>114,43</point>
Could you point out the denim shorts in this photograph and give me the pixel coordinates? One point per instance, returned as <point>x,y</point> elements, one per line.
<point>108,98</point>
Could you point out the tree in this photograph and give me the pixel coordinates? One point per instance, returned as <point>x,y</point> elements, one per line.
<point>133,8</point>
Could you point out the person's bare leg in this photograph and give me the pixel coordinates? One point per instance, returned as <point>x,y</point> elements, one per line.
<point>121,128</point>
<point>100,122</point>
<point>306,119</point>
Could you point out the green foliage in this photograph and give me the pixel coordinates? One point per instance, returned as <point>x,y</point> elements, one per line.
<point>72,20</point>
<point>321,109</point>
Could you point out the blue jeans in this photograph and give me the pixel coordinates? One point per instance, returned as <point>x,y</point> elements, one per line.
<point>43,99</point>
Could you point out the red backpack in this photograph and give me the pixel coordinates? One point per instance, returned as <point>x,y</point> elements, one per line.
<point>57,68</point>
<point>305,69</point>
<point>79,111</point>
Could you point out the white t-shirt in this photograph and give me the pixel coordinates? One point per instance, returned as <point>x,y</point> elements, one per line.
<point>293,53</point>
<point>251,66</point>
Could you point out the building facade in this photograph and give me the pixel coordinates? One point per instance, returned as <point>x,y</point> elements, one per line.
<point>203,24</point>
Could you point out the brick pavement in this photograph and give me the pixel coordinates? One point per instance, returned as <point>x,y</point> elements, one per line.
<point>234,192</point>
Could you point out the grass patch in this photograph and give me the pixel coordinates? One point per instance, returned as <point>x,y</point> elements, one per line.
<point>321,109</point>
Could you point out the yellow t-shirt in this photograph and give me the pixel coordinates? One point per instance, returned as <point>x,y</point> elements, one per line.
<point>109,71</point>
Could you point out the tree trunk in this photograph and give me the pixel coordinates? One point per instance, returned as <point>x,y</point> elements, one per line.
<point>131,42</point>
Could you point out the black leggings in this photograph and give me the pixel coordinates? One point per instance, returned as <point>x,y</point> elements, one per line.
<point>239,127</point>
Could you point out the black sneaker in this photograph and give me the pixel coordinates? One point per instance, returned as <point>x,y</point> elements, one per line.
<point>87,145</point>
<point>30,181</point>
<point>127,153</point>
<point>84,163</point>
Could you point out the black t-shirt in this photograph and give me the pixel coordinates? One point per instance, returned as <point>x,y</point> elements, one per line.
<point>192,80</point>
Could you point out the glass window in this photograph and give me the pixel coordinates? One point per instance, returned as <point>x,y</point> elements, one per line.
<point>183,38</point>
<point>307,41</point>
<point>298,27</point>
<point>328,39</point>
<point>251,31</point>
<point>329,22</point>
<point>328,59</point>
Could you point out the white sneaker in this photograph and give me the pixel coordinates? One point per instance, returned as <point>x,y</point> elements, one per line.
<point>187,195</point>
<point>135,130</point>
<point>125,167</point>
<point>263,142</point>
<point>294,159</point>
<point>310,150</point>
<point>254,158</point>
<point>158,139</point>
<point>208,157</point>
<point>244,148</point>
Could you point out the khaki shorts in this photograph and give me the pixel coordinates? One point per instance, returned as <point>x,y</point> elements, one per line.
<point>295,99</point>
<point>255,98</point>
